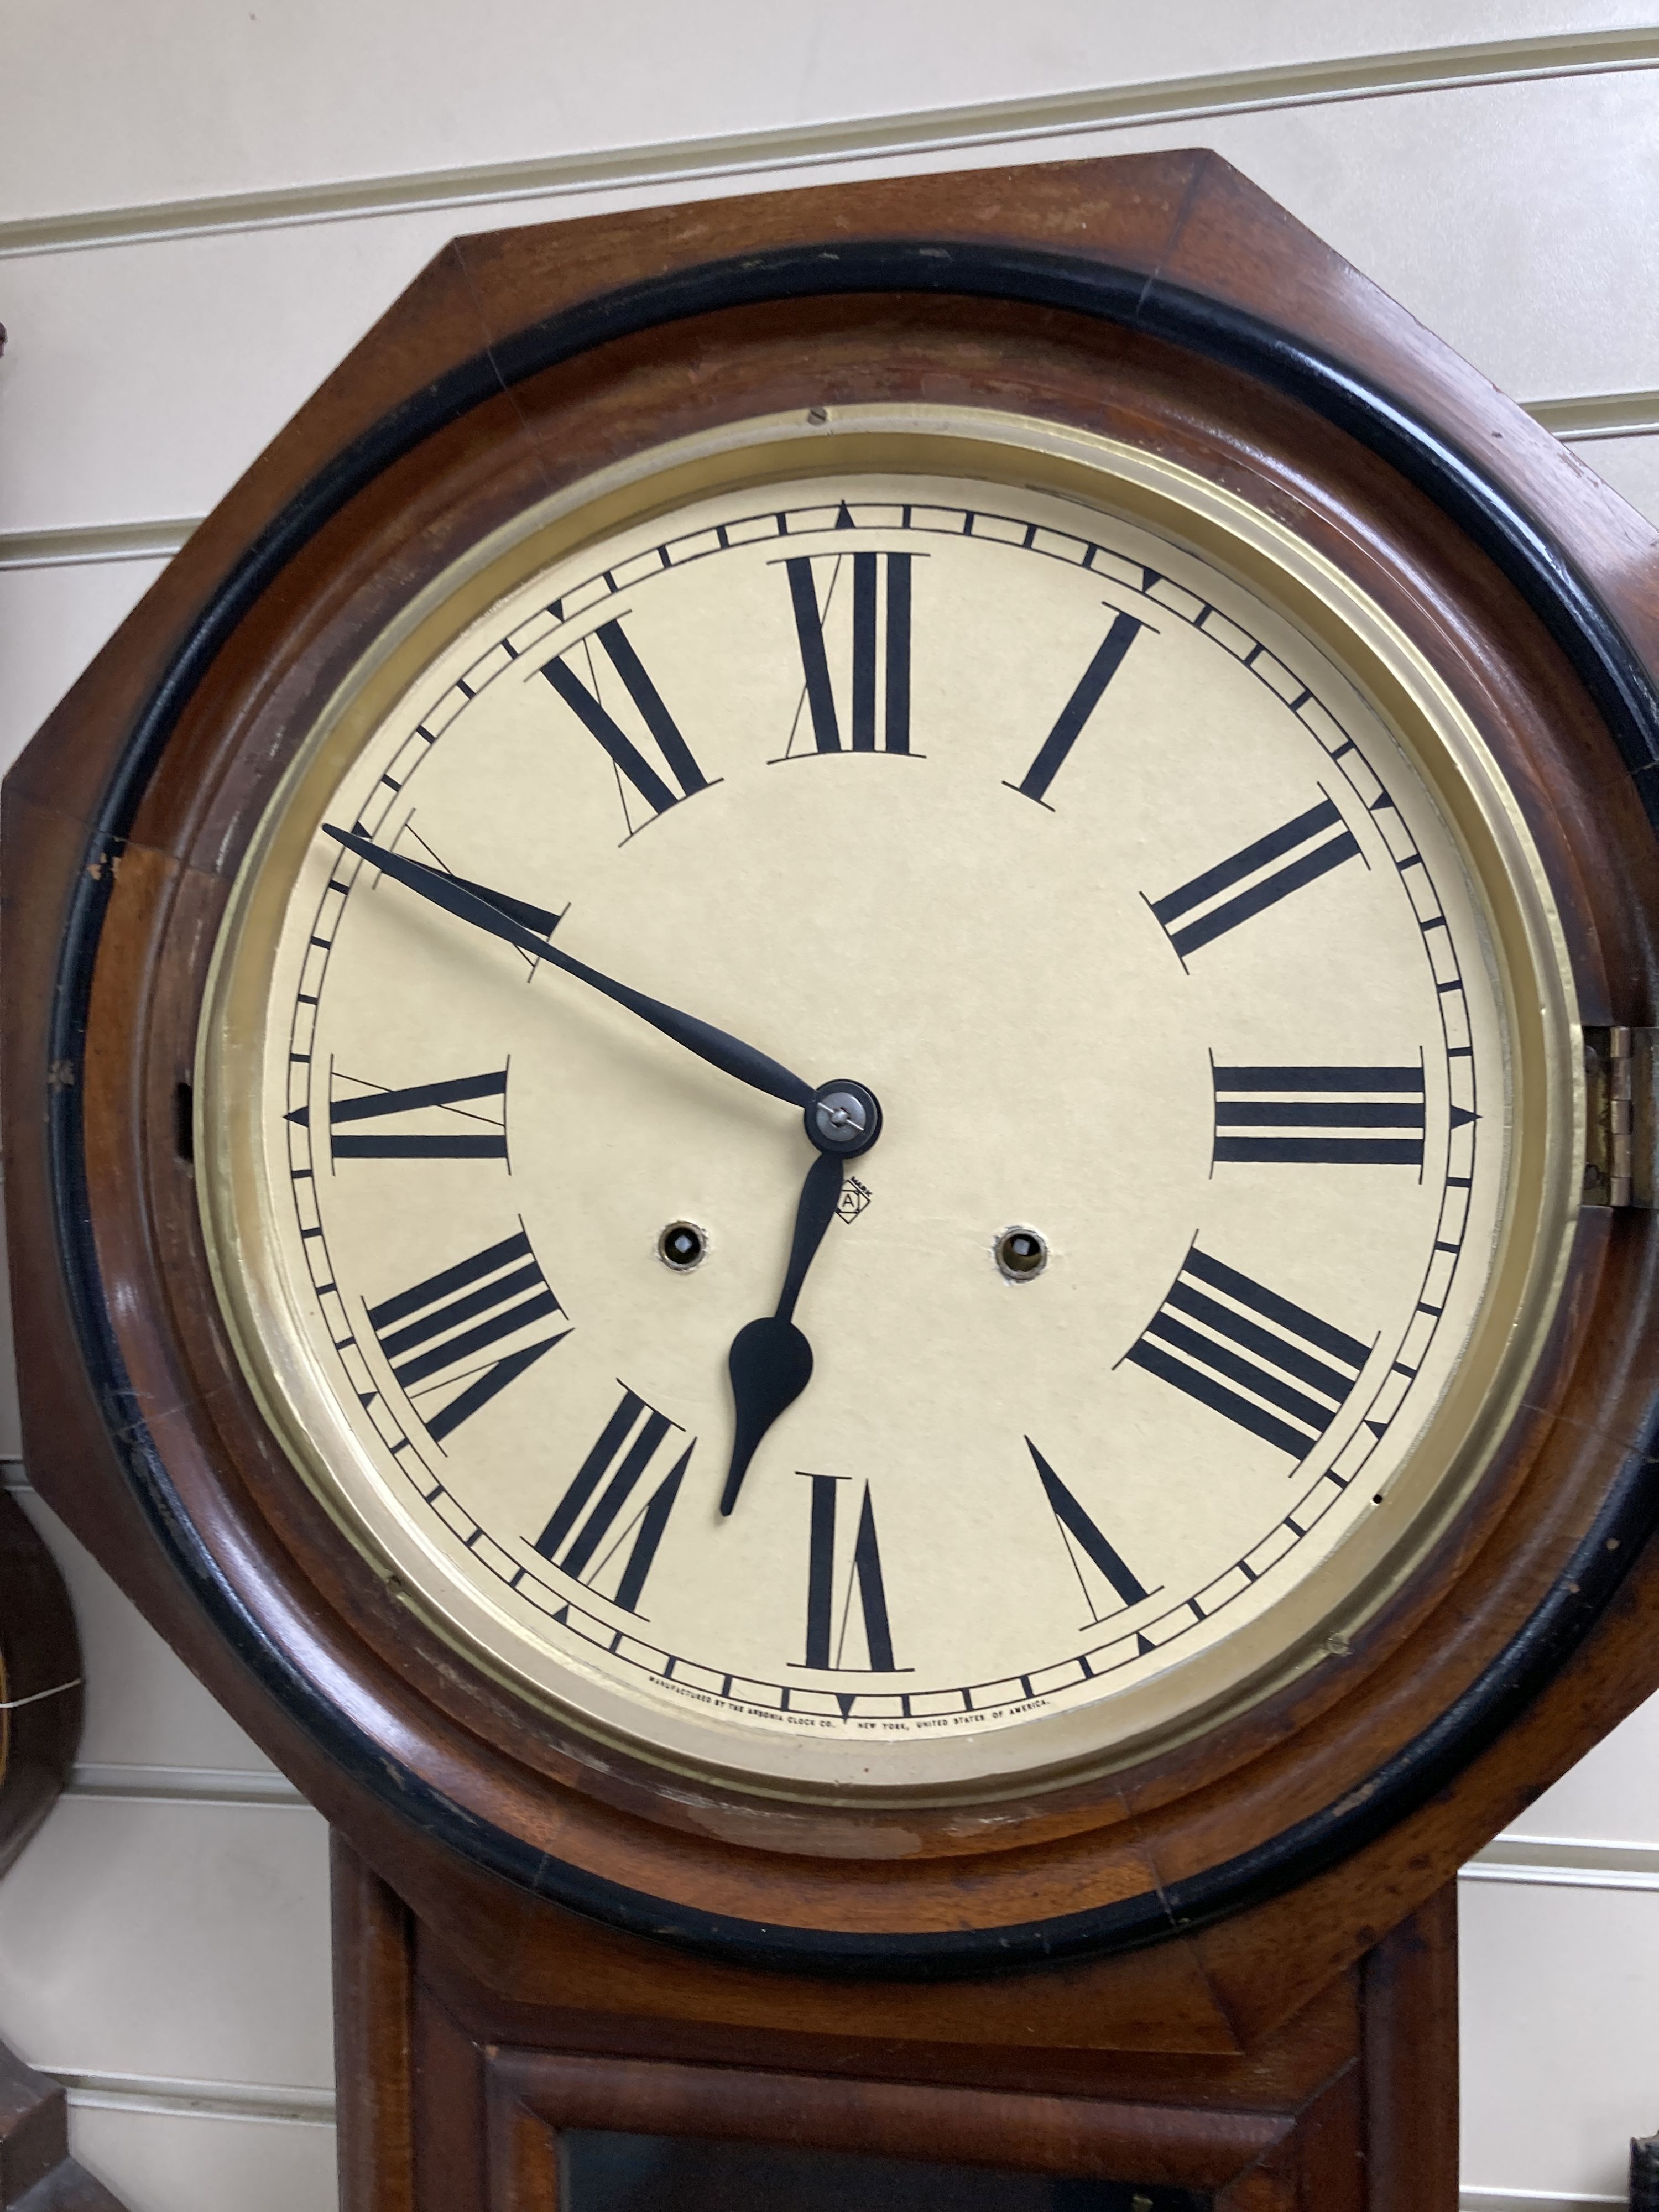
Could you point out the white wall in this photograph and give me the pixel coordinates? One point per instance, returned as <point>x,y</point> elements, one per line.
<point>201,206</point>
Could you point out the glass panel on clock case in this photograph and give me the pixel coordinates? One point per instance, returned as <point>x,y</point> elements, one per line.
<point>605,2172</point>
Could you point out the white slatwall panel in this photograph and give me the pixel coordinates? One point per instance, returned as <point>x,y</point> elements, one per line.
<point>163,1942</point>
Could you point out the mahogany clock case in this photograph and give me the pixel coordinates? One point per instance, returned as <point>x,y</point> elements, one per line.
<point>1163,302</point>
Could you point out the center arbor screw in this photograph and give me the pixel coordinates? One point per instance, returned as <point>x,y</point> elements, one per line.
<point>844,1118</point>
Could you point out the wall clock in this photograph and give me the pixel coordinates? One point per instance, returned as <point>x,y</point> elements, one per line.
<point>833,1044</point>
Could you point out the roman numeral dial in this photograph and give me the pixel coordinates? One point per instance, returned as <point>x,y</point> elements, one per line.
<point>1207,1126</point>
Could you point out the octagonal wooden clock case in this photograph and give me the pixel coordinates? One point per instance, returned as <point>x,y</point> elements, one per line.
<point>826,1075</point>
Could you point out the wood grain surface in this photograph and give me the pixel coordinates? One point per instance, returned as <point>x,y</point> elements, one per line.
<point>1353,2104</point>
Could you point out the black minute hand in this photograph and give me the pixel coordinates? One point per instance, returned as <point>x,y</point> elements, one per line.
<point>466,903</point>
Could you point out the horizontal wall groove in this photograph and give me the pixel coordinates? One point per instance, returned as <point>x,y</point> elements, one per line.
<point>921,131</point>
<point>1475,2199</point>
<point>193,1785</point>
<point>1567,1862</point>
<point>1574,421</point>
<point>1599,414</point>
<point>82,543</point>
<point>187,2099</point>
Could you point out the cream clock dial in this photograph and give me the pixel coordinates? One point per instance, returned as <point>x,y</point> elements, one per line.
<point>1135,1153</point>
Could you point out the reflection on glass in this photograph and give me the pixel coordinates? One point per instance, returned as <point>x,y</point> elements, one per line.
<point>608,2172</point>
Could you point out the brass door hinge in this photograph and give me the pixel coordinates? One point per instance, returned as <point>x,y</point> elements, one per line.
<point>1620,1079</point>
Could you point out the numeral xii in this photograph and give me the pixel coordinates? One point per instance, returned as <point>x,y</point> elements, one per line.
<point>875,577</point>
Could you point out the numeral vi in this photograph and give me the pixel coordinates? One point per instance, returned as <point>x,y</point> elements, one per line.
<point>847,1623</point>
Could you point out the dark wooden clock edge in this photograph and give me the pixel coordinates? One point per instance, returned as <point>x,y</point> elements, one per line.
<point>1608,666</point>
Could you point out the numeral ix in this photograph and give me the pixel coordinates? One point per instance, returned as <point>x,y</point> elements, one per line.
<point>443,1129</point>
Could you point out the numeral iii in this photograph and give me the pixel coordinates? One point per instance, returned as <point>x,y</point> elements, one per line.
<point>1343,1116</point>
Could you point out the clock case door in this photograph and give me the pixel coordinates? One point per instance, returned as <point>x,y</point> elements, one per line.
<point>1208,1892</point>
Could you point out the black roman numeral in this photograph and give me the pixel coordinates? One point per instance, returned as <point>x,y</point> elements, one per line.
<point>442,1138</point>
<point>1335,1115</point>
<point>659,790</point>
<point>1241,1349</point>
<point>433,1333</point>
<point>613,1537</point>
<point>878,688</point>
<point>829,1597</point>
<point>1085,1547</point>
<point>1309,846</point>
<point>1091,690</point>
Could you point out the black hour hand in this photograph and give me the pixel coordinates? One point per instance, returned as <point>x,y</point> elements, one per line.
<point>770,1360</point>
